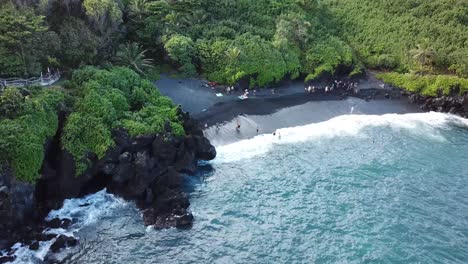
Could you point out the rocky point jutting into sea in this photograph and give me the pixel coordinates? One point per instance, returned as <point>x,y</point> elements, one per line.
<point>145,169</point>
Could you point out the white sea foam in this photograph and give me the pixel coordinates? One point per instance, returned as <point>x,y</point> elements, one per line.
<point>84,211</point>
<point>345,125</point>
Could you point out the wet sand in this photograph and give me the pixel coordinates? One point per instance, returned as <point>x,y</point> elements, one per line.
<point>298,115</point>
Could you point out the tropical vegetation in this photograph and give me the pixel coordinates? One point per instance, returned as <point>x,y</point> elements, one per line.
<point>117,98</point>
<point>260,42</point>
<point>416,44</point>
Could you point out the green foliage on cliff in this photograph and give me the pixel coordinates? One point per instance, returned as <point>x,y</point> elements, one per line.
<point>430,85</point>
<point>117,98</point>
<point>23,134</point>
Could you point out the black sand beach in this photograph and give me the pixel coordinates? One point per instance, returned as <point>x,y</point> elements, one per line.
<point>289,106</point>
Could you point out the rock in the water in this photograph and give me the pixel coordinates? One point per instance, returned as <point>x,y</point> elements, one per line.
<point>184,221</point>
<point>62,242</point>
<point>54,223</point>
<point>44,237</point>
<point>34,245</point>
<point>6,259</point>
<point>66,223</point>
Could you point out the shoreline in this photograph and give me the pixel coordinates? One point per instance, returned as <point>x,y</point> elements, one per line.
<point>289,106</point>
<point>268,119</point>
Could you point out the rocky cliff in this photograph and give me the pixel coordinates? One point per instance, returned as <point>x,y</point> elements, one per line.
<point>146,169</point>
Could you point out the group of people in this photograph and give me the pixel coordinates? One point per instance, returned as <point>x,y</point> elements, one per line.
<point>346,85</point>
<point>229,89</point>
<point>342,85</point>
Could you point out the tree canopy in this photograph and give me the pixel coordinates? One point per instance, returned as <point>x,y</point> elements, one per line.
<point>261,41</point>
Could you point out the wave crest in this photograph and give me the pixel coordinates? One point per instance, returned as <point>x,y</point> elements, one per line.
<point>345,125</point>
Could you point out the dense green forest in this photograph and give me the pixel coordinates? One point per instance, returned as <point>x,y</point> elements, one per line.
<point>260,41</point>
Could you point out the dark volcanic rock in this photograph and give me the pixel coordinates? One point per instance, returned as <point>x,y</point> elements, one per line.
<point>124,171</point>
<point>62,242</point>
<point>171,178</point>
<point>453,104</point>
<point>164,150</point>
<point>6,259</point>
<point>186,162</point>
<point>204,149</point>
<point>17,205</point>
<point>34,245</point>
<point>66,223</point>
<point>4,244</point>
<point>54,223</point>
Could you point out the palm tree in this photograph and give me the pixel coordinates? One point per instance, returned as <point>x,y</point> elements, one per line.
<point>196,17</point>
<point>233,54</point>
<point>132,56</point>
<point>137,9</point>
<point>424,54</point>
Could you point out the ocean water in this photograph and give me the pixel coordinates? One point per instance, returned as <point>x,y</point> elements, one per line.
<point>353,189</point>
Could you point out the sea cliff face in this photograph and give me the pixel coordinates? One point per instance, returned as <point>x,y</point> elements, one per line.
<point>145,169</point>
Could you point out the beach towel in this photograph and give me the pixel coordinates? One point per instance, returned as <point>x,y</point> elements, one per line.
<point>219,94</point>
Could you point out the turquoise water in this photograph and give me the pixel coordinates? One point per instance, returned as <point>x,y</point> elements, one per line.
<point>355,189</point>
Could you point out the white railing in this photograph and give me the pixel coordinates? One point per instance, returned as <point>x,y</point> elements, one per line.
<point>48,79</point>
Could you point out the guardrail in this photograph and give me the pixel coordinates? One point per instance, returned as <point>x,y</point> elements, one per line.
<point>46,80</point>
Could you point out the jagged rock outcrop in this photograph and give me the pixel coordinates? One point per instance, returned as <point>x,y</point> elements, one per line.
<point>453,104</point>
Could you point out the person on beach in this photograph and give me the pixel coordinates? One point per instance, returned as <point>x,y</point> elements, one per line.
<point>279,135</point>
<point>238,126</point>
<point>257,131</point>
<point>326,89</point>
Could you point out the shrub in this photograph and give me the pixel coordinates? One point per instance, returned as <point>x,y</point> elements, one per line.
<point>11,102</point>
<point>112,99</point>
<point>430,85</point>
<point>22,138</point>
